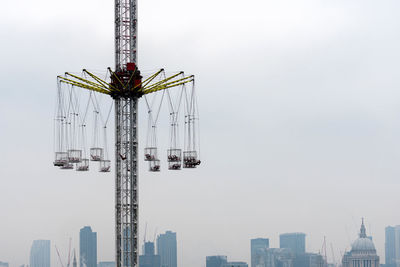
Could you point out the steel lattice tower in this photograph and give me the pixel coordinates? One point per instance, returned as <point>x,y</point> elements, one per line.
<point>126,171</point>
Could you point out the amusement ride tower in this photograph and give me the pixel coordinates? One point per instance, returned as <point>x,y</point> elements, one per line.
<point>126,87</point>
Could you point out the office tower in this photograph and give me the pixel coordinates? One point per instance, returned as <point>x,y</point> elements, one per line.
<point>293,241</point>
<point>106,264</point>
<point>216,261</point>
<point>166,248</point>
<point>3,264</point>
<point>87,247</point>
<point>392,246</point>
<point>40,253</point>
<point>149,258</point>
<point>258,250</point>
<point>235,264</point>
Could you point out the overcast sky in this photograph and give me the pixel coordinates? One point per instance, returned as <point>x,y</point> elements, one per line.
<point>300,123</point>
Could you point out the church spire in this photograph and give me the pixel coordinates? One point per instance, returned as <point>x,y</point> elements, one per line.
<point>363,232</point>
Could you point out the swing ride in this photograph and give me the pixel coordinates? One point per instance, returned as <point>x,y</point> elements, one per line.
<point>124,86</point>
<point>72,121</point>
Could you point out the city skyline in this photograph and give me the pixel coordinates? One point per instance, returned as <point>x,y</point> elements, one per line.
<point>306,140</point>
<point>290,242</point>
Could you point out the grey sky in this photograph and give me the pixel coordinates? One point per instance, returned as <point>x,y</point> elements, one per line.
<point>299,112</point>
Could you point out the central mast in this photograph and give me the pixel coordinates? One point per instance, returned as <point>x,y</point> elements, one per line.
<point>125,33</point>
<point>126,144</point>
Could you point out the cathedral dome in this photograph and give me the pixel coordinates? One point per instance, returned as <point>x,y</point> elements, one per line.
<point>363,253</point>
<point>363,244</point>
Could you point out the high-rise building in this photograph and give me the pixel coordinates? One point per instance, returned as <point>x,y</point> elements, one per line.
<point>106,264</point>
<point>235,264</point>
<point>216,261</point>
<point>258,248</point>
<point>87,247</point>
<point>392,246</point>
<point>362,253</point>
<point>40,253</point>
<point>3,264</point>
<point>149,258</point>
<point>293,241</point>
<point>166,248</point>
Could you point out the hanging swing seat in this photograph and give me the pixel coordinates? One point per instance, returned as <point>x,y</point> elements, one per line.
<point>174,165</point>
<point>61,158</point>
<point>154,165</point>
<point>190,159</point>
<point>105,166</point>
<point>83,165</point>
<point>67,166</point>
<point>174,155</point>
<point>150,154</point>
<point>74,155</point>
<point>96,154</point>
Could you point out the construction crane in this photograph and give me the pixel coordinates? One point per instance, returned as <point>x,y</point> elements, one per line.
<point>333,256</point>
<point>69,254</point>
<point>59,257</point>
<point>126,86</point>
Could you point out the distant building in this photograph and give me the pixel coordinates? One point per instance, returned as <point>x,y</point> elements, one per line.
<point>296,242</point>
<point>149,258</point>
<point>216,261</point>
<point>276,257</point>
<point>309,260</point>
<point>235,264</point>
<point>392,246</point>
<point>40,253</point>
<point>106,264</point>
<point>362,253</point>
<point>258,247</point>
<point>167,249</point>
<point>87,247</point>
<point>3,264</point>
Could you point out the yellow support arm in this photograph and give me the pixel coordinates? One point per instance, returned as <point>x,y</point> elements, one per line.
<point>100,81</point>
<point>82,85</point>
<point>87,81</point>
<point>163,81</point>
<point>101,86</point>
<point>169,85</point>
<point>113,74</point>
<point>152,77</point>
